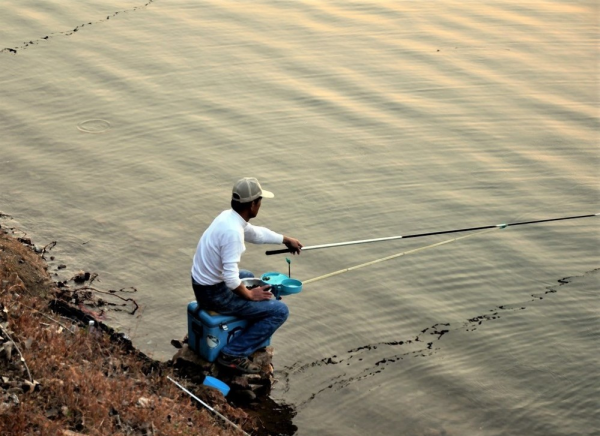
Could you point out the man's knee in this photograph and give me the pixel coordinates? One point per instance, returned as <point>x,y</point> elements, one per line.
<point>282,311</point>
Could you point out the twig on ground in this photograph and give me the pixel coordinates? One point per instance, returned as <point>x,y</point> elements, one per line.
<point>47,248</point>
<point>19,350</point>
<point>93,277</point>
<point>50,318</point>
<point>89,288</point>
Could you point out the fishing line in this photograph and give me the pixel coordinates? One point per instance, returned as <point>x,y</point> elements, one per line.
<point>394,256</point>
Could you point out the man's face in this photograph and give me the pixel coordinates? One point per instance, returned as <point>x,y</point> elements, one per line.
<point>255,207</point>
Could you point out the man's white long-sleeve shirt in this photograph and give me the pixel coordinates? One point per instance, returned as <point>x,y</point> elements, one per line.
<point>221,247</point>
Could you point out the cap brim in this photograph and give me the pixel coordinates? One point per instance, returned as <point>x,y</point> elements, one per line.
<point>267,194</point>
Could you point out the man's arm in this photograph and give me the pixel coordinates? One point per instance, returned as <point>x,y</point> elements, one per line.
<point>262,235</point>
<point>293,244</point>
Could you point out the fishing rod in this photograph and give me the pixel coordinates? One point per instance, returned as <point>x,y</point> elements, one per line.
<point>418,235</point>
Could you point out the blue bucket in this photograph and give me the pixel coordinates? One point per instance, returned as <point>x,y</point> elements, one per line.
<point>217,384</point>
<point>290,286</point>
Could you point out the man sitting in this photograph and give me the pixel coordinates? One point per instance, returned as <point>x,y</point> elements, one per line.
<point>216,277</point>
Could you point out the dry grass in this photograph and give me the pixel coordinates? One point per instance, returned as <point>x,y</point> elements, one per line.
<point>84,382</point>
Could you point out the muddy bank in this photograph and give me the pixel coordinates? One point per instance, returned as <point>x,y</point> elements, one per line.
<point>62,375</point>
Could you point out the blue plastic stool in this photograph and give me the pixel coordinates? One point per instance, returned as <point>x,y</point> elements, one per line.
<point>209,332</point>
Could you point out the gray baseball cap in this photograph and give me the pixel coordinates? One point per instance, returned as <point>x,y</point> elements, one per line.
<point>248,189</point>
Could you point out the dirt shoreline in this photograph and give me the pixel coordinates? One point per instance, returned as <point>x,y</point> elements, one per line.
<point>61,376</point>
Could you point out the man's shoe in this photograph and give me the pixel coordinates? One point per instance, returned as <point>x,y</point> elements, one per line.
<point>242,364</point>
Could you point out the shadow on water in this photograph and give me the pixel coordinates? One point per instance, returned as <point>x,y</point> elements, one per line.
<point>427,338</point>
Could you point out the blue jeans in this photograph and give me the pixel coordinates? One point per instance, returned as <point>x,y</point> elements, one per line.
<point>264,317</point>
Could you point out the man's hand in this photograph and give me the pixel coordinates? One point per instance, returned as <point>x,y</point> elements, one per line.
<point>260,293</point>
<point>293,244</point>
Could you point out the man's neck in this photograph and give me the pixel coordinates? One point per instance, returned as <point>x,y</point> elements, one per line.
<point>245,215</point>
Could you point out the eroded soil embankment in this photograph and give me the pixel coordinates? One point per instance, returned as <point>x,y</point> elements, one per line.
<point>58,376</point>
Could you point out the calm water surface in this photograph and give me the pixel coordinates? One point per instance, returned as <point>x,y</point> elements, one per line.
<point>125,124</point>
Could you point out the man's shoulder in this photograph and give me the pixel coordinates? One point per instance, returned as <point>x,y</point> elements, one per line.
<point>222,219</point>
<point>227,223</point>
<point>230,217</point>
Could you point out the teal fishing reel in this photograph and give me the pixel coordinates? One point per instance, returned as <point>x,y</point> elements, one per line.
<point>281,284</point>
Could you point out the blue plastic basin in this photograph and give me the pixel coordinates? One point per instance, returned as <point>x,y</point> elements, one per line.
<point>290,286</point>
<point>217,384</point>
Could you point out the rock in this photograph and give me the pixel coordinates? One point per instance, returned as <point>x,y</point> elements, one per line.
<point>14,399</point>
<point>52,413</point>
<point>5,408</point>
<point>15,391</point>
<point>115,363</point>
<point>193,366</point>
<point>176,343</point>
<point>255,388</point>
<point>186,357</point>
<point>71,433</point>
<point>239,383</point>
<point>28,386</point>
<point>250,391</point>
<point>210,395</point>
<point>144,402</point>
<point>81,277</point>
<point>252,377</point>
<point>246,395</point>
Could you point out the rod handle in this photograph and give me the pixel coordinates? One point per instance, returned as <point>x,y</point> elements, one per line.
<point>283,250</point>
